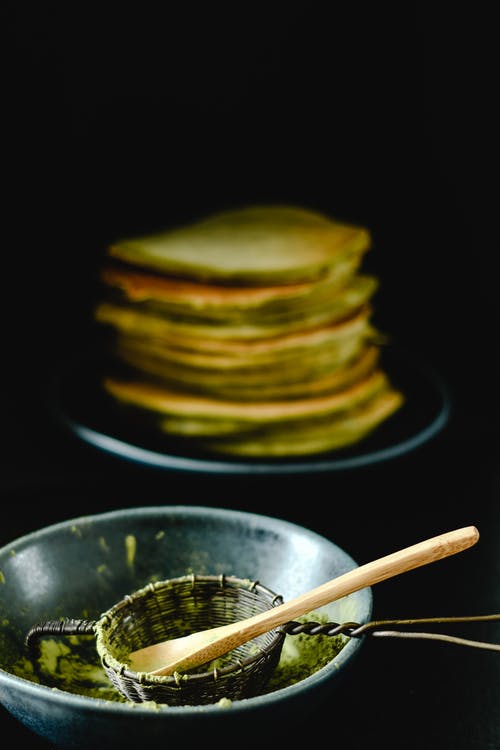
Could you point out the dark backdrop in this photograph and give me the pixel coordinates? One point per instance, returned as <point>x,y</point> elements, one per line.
<point>117,121</point>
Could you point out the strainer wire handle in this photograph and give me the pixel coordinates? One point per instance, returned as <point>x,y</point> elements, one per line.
<point>66,626</point>
<point>391,629</point>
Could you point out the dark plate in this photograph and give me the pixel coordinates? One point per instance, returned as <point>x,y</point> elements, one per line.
<point>79,401</point>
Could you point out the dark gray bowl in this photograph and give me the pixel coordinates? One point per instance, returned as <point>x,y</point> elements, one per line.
<point>81,567</point>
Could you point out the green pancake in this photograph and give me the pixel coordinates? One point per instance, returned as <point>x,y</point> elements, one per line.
<point>257,305</point>
<point>316,436</point>
<point>156,319</point>
<point>183,405</point>
<point>259,429</point>
<point>297,379</point>
<point>253,245</point>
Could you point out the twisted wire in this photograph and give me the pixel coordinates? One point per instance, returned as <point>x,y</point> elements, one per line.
<point>316,628</point>
<point>379,628</point>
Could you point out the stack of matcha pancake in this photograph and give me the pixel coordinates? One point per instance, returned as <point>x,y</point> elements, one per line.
<point>247,333</point>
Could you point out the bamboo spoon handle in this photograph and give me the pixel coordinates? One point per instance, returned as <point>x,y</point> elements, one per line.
<point>403,560</point>
<point>207,645</point>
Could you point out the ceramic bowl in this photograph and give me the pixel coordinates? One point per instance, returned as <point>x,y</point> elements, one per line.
<point>79,568</point>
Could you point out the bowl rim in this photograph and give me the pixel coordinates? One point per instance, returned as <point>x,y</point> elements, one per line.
<point>85,702</point>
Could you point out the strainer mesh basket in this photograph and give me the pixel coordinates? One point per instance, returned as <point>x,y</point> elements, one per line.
<point>178,607</point>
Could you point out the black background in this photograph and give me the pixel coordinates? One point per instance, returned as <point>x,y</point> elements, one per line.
<point>119,121</point>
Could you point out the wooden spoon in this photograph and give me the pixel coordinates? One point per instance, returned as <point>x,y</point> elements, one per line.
<point>198,648</point>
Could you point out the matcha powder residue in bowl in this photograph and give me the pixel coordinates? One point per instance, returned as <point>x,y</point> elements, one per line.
<point>73,664</point>
<point>130,549</point>
<point>303,654</point>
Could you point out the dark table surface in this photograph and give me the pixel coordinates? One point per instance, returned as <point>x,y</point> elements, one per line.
<point>391,165</point>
